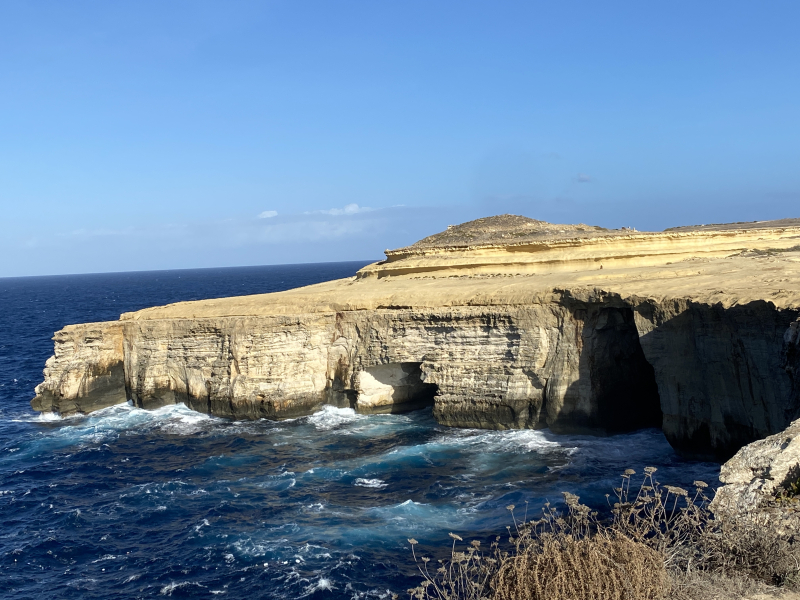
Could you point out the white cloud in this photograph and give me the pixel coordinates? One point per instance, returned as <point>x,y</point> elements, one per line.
<point>268,214</point>
<point>583,178</point>
<point>315,230</point>
<point>102,232</point>
<point>350,209</point>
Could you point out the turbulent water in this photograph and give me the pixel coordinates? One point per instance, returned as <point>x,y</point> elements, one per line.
<point>128,503</point>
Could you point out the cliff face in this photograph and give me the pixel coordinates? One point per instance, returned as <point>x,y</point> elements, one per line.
<point>85,373</point>
<point>753,476</point>
<point>243,367</point>
<point>544,365</point>
<point>575,367</point>
<point>591,350</point>
<point>721,372</point>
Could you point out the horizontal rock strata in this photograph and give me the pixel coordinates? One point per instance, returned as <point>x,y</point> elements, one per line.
<point>622,338</point>
<point>86,372</point>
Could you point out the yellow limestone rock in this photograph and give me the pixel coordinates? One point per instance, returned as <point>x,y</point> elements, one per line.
<point>501,322</point>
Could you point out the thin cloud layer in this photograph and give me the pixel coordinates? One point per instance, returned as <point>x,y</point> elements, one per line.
<point>268,214</point>
<point>349,209</point>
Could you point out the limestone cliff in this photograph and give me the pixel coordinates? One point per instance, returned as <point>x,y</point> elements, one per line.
<point>499,323</point>
<point>86,371</point>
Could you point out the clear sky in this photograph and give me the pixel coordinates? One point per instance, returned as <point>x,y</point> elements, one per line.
<point>174,134</point>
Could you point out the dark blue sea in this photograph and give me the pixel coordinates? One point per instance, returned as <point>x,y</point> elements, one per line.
<point>127,503</point>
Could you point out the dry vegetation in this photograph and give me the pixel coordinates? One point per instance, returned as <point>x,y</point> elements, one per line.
<point>658,542</point>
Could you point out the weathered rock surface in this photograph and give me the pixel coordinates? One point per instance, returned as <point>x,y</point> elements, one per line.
<point>580,330</point>
<point>754,474</point>
<point>86,371</point>
<point>721,372</point>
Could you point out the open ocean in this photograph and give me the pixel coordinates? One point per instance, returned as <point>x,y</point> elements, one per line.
<point>127,503</point>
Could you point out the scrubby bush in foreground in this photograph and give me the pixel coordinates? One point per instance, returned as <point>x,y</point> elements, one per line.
<point>657,542</point>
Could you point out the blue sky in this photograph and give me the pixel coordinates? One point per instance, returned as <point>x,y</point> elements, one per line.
<point>155,135</point>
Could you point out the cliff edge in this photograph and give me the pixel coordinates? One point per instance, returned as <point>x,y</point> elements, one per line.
<point>502,322</point>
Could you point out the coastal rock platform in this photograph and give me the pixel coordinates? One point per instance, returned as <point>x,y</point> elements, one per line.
<point>503,322</point>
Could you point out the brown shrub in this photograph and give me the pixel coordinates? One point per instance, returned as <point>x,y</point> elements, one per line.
<point>702,585</point>
<point>560,567</point>
<point>660,542</point>
<point>686,532</point>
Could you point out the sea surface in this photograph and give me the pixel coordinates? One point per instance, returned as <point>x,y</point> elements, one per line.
<point>127,503</point>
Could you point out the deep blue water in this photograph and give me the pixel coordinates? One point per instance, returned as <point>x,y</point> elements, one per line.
<point>127,503</point>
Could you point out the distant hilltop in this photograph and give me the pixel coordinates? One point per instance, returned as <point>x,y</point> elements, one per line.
<point>519,230</point>
<point>512,244</point>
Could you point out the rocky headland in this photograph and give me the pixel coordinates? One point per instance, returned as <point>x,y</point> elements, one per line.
<point>503,322</point>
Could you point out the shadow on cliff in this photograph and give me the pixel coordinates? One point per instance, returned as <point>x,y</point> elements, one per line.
<point>616,390</point>
<point>726,376</point>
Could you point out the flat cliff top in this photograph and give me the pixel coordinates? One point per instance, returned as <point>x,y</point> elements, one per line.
<point>718,264</point>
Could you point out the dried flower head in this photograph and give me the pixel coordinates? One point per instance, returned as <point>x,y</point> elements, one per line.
<point>412,541</point>
<point>700,484</point>
<point>629,472</point>
<point>676,490</point>
<point>650,470</point>
<point>456,537</point>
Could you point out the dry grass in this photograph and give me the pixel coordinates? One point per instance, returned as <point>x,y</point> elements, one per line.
<point>700,585</point>
<point>658,542</point>
<point>609,568</point>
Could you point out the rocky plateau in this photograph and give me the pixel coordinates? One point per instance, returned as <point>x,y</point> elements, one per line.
<point>503,322</point>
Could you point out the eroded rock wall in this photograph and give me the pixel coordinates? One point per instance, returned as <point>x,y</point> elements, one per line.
<point>573,361</point>
<point>574,366</point>
<point>790,361</point>
<point>85,372</point>
<point>242,367</point>
<point>722,372</point>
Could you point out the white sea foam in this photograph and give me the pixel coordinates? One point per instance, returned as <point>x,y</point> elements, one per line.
<point>370,483</point>
<point>322,585</point>
<point>256,547</point>
<point>514,441</point>
<point>171,587</point>
<point>330,417</point>
<point>47,417</point>
<point>103,558</point>
<point>281,482</point>
<point>107,424</point>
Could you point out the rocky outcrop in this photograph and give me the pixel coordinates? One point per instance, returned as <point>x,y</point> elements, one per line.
<point>763,477</point>
<point>756,473</point>
<point>706,348</point>
<point>242,367</point>
<point>85,372</point>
